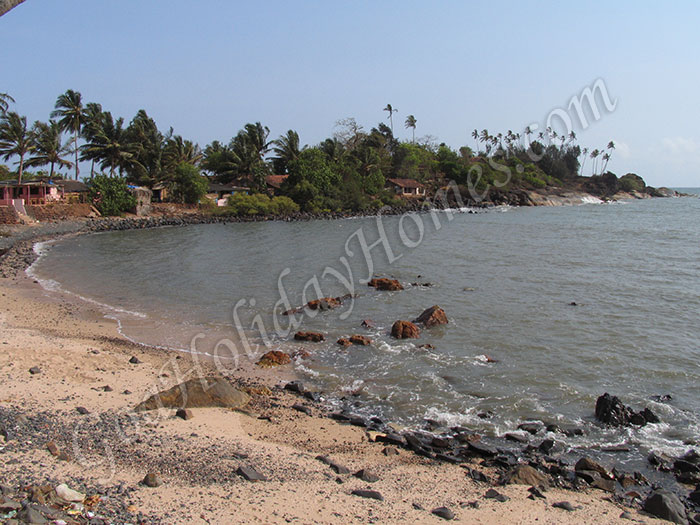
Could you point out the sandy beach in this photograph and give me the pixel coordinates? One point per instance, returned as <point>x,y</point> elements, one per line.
<point>84,362</point>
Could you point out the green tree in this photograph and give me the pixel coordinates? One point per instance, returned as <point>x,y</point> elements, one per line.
<point>147,144</point>
<point>15,139</point>
<point>389,108</point>
<point>286,150</point>
<point>110,195</point>
<point>5,100</point>
<point>411,123</point>
<point>110,146</point>
<point>69,112</point>
<point>48,146</point>
<point>188,185</point>
<point>94,122</point>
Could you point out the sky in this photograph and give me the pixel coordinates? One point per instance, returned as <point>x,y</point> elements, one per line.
<point>207,68</point>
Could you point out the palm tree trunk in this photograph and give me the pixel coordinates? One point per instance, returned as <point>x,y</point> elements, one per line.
<point>75,146</point>
<point>414,134</point>
<point>92,169</point>
<point>51,172</point>
<point>21,169</point>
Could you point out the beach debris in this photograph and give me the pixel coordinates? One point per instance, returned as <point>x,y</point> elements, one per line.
<point>35,370</point>
<point>385,284</point>
<point>494,494</point>
<point>314,337</point>
<point>366,475</point>
<point>432,316</point>
<point>152,480</point>
<point>204,392</point>
<point>274,358</point>
<point>665,505</point>
<point>609,409</point>
<point>250,474</point>
<point>184,413</point>
<point>371,494</point>
<point>444,513</point>
<point>134,360</point>
<point>405,330</point>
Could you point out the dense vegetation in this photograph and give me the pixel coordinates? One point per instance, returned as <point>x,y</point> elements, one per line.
<point>347,171</point>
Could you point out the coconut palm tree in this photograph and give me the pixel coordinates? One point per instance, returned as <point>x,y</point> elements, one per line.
<point>286,149</point>
<point>411,123</point>
<point>49,147</point>
<point>585,156</point>
<point>5,100</point>
<point>70,112</point>
<point>475,136</point>
<point>109,145</point>
<point>15,139</point>
<point>594,155</point>
<point>610,147</point>
<point>391,111</point>
<point>606,158</point>
<point>94,121</point>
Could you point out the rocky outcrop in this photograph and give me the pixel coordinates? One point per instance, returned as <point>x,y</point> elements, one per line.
<point>205,392</point>
<point>433,316</point>
<point>609,409</point>
<point>274,358</point>
<point>313,337</point>
<point>405,330</point>
<point>385,284</point>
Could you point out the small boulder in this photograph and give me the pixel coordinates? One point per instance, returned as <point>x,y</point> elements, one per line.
<point>152,480</point>
<point>526,475</point>
<point>586,463</point>
<point>274,358</point>
<point>35,370</point>
<point>371,494</point>
<point>344,342</point>
<point>665,505</point>
<point>68,494</point>
<point>184,413</point>
<point>82,411</point>
<point>384,284</point>
<point>433,316</point>
<point>565,505</point>
<point>444,513</point>
<point>360,340</point>
<point>250,474</point>
<point>366,475</point>
<point>313,337</point>
<point>205,392</point>
<point>494,494</point>
<point>134,360</point>
<point>405,330</point>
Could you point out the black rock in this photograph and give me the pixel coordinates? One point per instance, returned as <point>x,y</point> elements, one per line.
<point>441,442</point>
<point>536,493</point>
<point>665,505</point>
<point>589,476</point>
<point>586,463</point>
<point>607,485</point>
<point>250,474</point>
<point>564,505</point>
<point>494,494</point>
<point>518,438</point>
<point>609,409</point>
<point>695,497</point>
<point>681,465</point>
<point>530,428</point>
<point>649,416</point>
<point>392,439</point>
<point>546,446</point>
<point>664,398</point>
<point>295,386</point>
<point>35,370</point>
<point>339,469</point>
<point>134,360</point>
<point>444,513</point>
<point>301,408</point>
<point>371,494</point>
<point>82,410</point>
<point>312,396</point>
<point>478,475</point>
<point>482,450</point>
<point>339,416</point>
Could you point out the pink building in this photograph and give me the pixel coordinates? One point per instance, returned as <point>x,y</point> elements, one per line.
<point>17,194</point>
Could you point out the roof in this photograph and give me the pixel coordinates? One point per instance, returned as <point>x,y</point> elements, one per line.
<point>276,181</point>
<point>72,186</point>
<point>406,183</point>
<point>215,187</point>
<point>14,183</point>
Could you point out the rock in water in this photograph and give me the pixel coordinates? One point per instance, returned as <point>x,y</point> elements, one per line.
<point>209,392</point>
<point>609,409</point>
<point>405,330</point>
<point>587,464</point>
<point>432,316</point>
<point>665,505</point>
<point>274,358</point>
<point>360,340</point>
<point>384,284</point>
<point>313,337</point>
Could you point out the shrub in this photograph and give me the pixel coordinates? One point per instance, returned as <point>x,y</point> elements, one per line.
<point>283,206</point>
<point>245,205</point>
<point>110,195</point>
<point>632,182</point>
<point>188,185</point>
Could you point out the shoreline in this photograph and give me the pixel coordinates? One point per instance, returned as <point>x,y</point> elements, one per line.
<point>302,438</point>
<point>79,355</point>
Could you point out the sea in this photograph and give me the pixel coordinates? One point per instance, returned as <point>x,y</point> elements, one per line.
<point>548,308</point>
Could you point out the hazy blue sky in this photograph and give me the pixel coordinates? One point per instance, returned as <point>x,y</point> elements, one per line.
<point>208,67</point>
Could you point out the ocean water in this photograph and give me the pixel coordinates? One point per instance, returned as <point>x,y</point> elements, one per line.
<point>515,348</point>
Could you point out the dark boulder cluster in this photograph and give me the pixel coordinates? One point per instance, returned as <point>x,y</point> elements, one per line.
<point>610,410</point>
